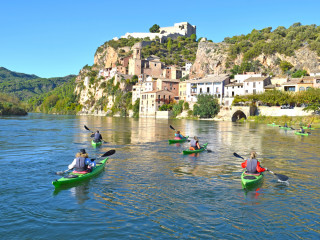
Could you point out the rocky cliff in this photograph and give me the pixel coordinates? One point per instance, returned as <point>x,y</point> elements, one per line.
<point>212,58</point>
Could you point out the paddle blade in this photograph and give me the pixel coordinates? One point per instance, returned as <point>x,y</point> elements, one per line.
<point>109,153</point>
<point>62,172</point>
<point>86,128</point>
<point>172,127</point>
<point>92,135</point>
<point>281,177</point>
<point>237,155</point>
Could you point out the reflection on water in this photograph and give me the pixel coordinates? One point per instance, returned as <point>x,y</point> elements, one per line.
<point>149,189</point>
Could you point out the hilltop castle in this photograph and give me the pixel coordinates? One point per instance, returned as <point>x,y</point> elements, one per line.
<point>183,29</point>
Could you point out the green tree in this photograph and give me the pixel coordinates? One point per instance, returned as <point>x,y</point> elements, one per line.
<point>285,66</point>
<point>207,106</point>
<point>193,37</point>
<point>135,108</point>
<point>299,73</point>
<point>134,79</point>
<point>155,28</point>
<point>169,45</point>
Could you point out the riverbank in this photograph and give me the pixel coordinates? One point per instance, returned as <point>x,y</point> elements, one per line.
<point>290,120</point>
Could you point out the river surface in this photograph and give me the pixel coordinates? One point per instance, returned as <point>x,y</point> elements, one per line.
<point>149,189</point>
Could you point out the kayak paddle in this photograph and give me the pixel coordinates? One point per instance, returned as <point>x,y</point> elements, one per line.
<point>92,135</point>
<point>106,154</point>
<point>281,177</point>
<point>175,130</point>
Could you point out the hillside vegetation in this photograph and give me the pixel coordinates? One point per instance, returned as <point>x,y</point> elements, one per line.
<point>25,88</point>
<point>178,51</point>
<point>10,105</point>
<point>61,100</point>
<point>10,76</point>
<point>282,40</point>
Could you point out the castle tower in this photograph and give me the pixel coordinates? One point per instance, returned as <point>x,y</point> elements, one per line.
<point>135,63</point>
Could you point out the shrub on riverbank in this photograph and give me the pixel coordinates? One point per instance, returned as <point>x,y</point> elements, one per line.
<point>10,106</point>
<point>299,120</point>
<point>207,106</point>
<point>310,98</point>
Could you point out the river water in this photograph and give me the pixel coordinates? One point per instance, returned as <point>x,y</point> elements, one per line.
<point>149,190</point>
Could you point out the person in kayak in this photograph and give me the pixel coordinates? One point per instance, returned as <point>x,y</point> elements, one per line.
<point>97,137</point>
<point>309,125</point>
<point>82,163</point>
<point>286,125</point>
<point>253,165</point>
<point>301,130</point>
<point>178,136</point>
<point>194,144</point>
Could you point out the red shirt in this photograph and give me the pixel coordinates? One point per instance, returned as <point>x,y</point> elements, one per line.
<point>259,169</point>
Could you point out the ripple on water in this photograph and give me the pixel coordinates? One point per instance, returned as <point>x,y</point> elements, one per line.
<point>149,189</point>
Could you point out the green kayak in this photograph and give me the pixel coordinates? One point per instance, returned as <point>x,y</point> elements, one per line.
<point>72,178</point>
<point>178,140</point>
<point>196,151</point>
<point>286,128</point>
<point>251,180</point>
<point>302,134</point>
<point>96,144</point>
<point>308,128</point>
<point>273,125</point>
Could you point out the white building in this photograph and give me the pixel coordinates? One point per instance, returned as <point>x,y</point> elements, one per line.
<point>212,84</point>
<point>239,78</point>
<point>179,29</point>
<point>255,85</point>
<point>188,66</point>
<point>141,87</point>
<point>231,90</point>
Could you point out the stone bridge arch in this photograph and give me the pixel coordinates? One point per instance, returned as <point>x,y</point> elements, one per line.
<point>239,112</point>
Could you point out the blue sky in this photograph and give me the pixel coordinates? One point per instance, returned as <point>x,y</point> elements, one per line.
<point>56,38</point>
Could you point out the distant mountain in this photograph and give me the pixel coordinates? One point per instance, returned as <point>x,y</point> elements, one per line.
<point>7,75</point>
<point>25,86</point>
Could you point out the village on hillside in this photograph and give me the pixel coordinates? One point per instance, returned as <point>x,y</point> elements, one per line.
<point>160,84</point>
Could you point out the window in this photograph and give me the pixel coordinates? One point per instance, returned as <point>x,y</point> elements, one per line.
<point>200,90</point>
<point>254,84</point>
<point>246,91</point>
<point>308,88</point>
<point>254,91</point>
<point>301,89</point>
<point>208,89</point>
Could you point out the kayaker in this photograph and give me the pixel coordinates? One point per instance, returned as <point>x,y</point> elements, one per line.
<point>178,136</point>
<point>253,165</point>
<point>301,130</point>
<point>285,125</point>
<point>97,137</point>
<point>309,125</point>
<point>82,163</point>
<point>194,144</point>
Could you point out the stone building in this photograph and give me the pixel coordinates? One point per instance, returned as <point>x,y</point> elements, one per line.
<point>184,29</point>
<point>169,85</point>
<point>150,102</point>
<point>152,66</point>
